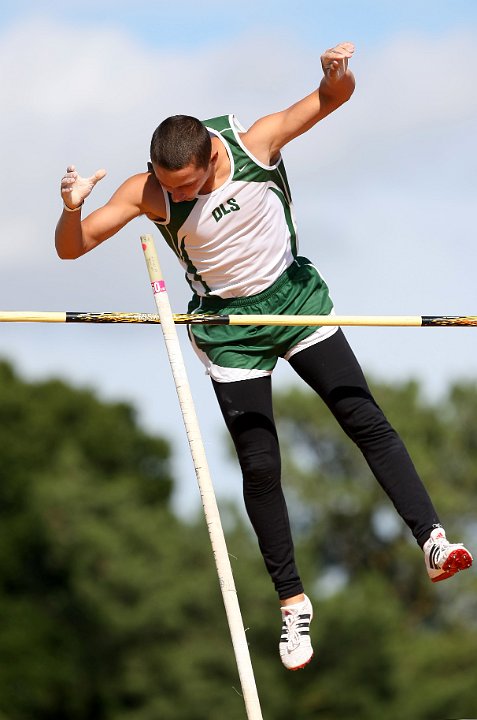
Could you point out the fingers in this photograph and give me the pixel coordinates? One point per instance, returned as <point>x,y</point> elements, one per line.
<point>346,47</point>
<point>69,179</point>
<point>98,175</point>
<point>342,50</point>
<point>335,60</point>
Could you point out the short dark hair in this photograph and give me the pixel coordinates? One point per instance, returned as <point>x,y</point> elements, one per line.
<point>180,140</point>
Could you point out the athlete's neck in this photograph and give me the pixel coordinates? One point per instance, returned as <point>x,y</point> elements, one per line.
<point>221,169</point>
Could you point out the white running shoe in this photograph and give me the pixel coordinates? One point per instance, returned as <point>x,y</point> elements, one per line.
<point>295,644</point>
<point>444,559</point>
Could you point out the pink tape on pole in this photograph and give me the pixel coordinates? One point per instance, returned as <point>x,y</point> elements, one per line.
<point>158,286</point>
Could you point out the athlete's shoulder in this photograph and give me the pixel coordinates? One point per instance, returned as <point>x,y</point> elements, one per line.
<point>224,123</point>
<point>143,191</point>
<point>133,187</point>
<point>219,123</point>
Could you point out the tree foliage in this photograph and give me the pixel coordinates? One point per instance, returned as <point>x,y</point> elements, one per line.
<point>110,607</point>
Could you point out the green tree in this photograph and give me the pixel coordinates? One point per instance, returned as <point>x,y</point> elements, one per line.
<point>109,604</point>
<point>110,607</point>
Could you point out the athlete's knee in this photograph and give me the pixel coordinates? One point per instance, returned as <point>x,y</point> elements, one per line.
<point>362,418</point>
<point>261,468</point>
<point>255,438</point>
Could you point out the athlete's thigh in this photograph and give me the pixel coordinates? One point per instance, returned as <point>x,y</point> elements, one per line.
<point>246,402</point>
<point>330,367</point>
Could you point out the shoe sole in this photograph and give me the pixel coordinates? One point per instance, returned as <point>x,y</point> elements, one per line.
<point>459,559</point>
<point>300,667</point>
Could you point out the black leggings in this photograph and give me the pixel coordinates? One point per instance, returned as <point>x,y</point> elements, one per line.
<point>331,369</point>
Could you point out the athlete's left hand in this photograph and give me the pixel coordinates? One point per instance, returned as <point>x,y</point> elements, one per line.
<point>335,61</point>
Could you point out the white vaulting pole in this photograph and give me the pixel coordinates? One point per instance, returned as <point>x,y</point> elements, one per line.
<point>212,517</point>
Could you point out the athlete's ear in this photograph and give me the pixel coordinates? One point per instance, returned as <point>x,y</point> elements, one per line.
<point>214,157</point>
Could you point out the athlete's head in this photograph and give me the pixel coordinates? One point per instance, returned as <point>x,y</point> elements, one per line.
<point>179,141</point>
<point>181,156</point>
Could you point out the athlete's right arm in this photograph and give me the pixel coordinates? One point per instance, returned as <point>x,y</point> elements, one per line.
<point>75,237</point>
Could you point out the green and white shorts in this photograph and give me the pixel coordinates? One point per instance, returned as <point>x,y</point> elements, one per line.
<point>242,352</point>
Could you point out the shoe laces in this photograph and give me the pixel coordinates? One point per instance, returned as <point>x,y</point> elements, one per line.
<point>444,543</point>
<point>444,547</point>
<point>290,621</point>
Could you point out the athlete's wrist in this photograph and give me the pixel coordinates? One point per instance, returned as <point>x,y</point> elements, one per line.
<point>75,209</point>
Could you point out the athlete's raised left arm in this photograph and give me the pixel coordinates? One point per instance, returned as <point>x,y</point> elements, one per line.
<point>267,136</point>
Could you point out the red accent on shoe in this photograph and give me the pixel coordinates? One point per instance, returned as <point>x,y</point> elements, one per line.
<point>458,560</point>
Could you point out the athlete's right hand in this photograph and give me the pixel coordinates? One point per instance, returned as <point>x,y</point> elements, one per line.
<point>335,61</point>
<point>74,188</point>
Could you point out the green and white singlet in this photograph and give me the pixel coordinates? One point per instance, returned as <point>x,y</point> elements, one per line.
<point>236,245</point>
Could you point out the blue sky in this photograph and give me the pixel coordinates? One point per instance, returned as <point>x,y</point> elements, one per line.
<point>197,24</point>
<point>384,189</point>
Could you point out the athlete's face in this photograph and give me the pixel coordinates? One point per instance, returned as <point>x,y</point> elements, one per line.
<point>183,184</point>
